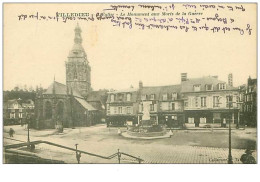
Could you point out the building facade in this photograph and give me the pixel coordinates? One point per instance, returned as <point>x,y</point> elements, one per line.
<point>209,100</point>
<point>161,105</point>
<point>16,110</point>
<point>249,109</point>
<point>122,107</point>
<point>196,101</point>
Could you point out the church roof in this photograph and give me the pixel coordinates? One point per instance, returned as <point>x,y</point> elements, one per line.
<point>94,96</point>
<point>60,89</point>
<point>77,50</point>
<point>85,104</point>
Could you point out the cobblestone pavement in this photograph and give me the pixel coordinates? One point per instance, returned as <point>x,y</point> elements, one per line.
<point>106,143</point>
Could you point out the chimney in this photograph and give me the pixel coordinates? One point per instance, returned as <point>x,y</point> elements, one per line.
<point>140,84</point>
<point>183,77</point>
<point>230,79</point>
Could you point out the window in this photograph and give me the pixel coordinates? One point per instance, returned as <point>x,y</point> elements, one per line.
<point>128,110</point>
<point>209,87</point>
<point>164,96</point>
<point>152,97</point>
<point>203,102</point>
<point>229,100</point>
<point>186,104</point>
<point>112,98</point>
<point>250,89</point>
<point>120,110</point>
<point>143,97</point>
<point>174,117</point>
<point>120,97</point>
<point>221,86</point>
<point>141,107</point>
<point>196,101</point>
<point>216,101</point>
<point>196,88</point>
<point>173,106</point>
<point>20,115</point>
<point>190,120</point>
<point>151,107</point>
<point>12,115</point>
<point>115,110</point>
<point>128,97</point>
<point>174,96</point>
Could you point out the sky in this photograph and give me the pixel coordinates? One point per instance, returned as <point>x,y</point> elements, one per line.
<point>36,51</point>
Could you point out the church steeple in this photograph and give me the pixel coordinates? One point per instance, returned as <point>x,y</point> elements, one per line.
<point>78,38</point>
<point>77,67</point>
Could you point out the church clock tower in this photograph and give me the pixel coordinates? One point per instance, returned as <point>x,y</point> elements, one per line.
<point>77,67</point>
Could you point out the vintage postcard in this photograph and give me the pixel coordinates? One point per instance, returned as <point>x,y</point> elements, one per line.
<point>130,83</point>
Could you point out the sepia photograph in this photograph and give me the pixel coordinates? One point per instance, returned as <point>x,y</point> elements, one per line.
<point>129,83</point>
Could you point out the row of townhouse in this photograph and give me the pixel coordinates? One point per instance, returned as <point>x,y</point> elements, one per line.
<point>196,100</point>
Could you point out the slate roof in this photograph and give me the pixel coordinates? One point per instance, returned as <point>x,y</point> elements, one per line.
<point>85,104</point>
<point>97,96</point>
<point>61,89</point>
<point>187,86</point>
<point>124,90</point>
<point>10,103</point>
<point>77,51</point>
<point>133,91</point>
<point>160,90</point>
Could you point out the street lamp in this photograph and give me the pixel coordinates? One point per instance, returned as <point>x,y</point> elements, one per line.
<point>28,123</point>
<point>230,161</point>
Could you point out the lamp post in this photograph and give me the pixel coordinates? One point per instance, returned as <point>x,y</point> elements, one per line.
<point>230,161</point>
<point>28,130</point>
<point>239,104</point>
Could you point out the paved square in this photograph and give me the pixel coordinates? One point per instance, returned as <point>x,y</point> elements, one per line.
<point>185,146</point>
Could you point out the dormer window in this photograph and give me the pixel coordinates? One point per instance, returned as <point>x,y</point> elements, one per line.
<point>174,96</point>
<point>209,87</point>
<point>196,88</point>
<point>112,98</point>
<point>221,86</point>
<point>144,97</point>
<point>128,97</point>
<point>152,97</point>
<point>165,96</point>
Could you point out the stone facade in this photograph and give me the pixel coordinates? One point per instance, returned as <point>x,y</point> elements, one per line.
<point>78,70</point>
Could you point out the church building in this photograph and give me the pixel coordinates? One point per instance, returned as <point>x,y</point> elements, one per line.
<point>74,104</point>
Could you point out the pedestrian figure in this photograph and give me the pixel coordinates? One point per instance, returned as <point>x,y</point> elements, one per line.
<point>224,123</point>
<point>247,158</point>
<point>11,132</point>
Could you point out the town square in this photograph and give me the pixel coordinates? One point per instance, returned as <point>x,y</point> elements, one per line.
<point>101,87</point>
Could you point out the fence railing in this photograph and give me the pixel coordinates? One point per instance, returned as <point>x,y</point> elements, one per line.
<point>32,144</point>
